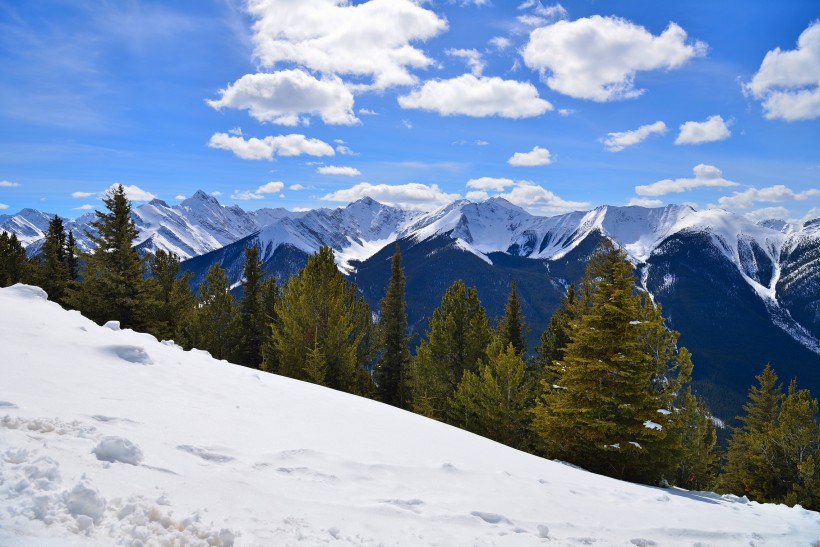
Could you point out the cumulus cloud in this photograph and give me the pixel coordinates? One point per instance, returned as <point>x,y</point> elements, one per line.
<point>477,195</point>
<point>788,82</point>
<point>471,56</point>
<point>82,194</point>
<point>180,197</point>
<point>645,202</point>
<point>536,156</point>
<point>500,42</point>
<point>771,194</point>
<point>540,14</point>
<point>266,148</point>
<point>3,206</point>
<point>334,170</point>
<point>412,195</point>
<point>85,207</point>
<point>366,40</point>
<point>713,129</point>
<point>598,57</point>
<point>282,97</point>
<point>367,112</point>
<point>469,95</point>
<point>133,192</point>
<point>490,183</point>
<point>615,142</point>
<point>766,213</point>
<point>296,187</point>
<point>705,175</point>
<point>8,184</point>
<point>273,187</point>
<point>538,199</point>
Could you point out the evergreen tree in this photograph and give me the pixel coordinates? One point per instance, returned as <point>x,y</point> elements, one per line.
<point>216,325</point>
<point>13,262</point>
<point>51,266</point>
<point>269,295</point>
<point>251,311</point>
<point>697,460</point>
<point>321,333</point>
<point>556,337</point>
<point>457,340</point>
<point>171,299</point>
<point>512,327</point>
<point>391,370</point>
<point>495,402</point>
<point>621,368</point>
<point>113,277</point>
<point>72,261</point>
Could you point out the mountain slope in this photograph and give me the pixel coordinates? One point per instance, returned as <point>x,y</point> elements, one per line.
<point>110,437</point>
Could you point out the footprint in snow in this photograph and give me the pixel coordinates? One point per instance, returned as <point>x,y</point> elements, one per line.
<point>131,354</point>
<point>7,404</point>
<point>205,454</point>
<point>491,518</point>
<point>410,505</point>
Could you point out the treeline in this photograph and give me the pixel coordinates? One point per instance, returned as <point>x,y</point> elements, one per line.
<point>607,388</point>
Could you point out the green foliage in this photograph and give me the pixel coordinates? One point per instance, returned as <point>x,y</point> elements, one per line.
<point>391,370</point>
<point>556,337</point>
<point>52,267</point>
<point>113,277</point>
<point>512,327</point>
<point>773,456</point>
<point>251,311</point>
<point>457,341</point>
<point>323,331</point>
<point>13,262</point>
<point>215,324</point>
<point>171,302</point>
<point>619,369</point>
<point>495,401</point>
<point>269,295</point>
<point>696,460</point>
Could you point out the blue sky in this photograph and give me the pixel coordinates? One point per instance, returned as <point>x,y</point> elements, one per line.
<point>310,103</point>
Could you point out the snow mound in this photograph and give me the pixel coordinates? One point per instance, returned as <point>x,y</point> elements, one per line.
<point>27,292</point>
<point>246,458</point>
<point>118,449</point>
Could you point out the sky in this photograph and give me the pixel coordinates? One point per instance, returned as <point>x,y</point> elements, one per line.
<point>314,103</point>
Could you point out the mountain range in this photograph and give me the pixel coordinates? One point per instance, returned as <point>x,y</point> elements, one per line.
<point>740,293</point>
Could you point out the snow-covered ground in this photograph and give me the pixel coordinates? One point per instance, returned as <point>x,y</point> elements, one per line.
<point>108,437</point>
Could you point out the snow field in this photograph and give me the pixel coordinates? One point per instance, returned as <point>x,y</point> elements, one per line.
<point>152,445</point>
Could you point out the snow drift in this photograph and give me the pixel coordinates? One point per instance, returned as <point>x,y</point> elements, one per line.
<point>111,437</point>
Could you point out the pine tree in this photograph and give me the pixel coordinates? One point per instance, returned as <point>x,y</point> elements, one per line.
<point>113,277</point>
<point>72,262</point>
<point>51,266</point>
<point>269,295</point>
<point>171,300</point>
<point>320,315</point>
<point>391,370</point>
<point>697,460</point>
<point>457,341</point>
<point>251,311</point>
<point>556,337</point>
<point>512,327</point>
<point>495,402</point>
<point>216,323</point>
<point>621,368</point>
<point>13,263</point>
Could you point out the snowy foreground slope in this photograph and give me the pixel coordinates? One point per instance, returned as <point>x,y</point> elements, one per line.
<point>109,437</point>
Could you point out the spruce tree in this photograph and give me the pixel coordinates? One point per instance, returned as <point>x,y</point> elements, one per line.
<point>512,327</point>
<point>391,370</point>
<point>620,375</point>
<point>216,326</point>
<point>72,261</point>
<point>171,300</point>
<point>269,295</point>
<point>695,454</point>
<point>556,337</point>
<point>457,341</point>
<point>13,262</point>
<point>322,329</point>
<point>251,311</point>
<point>113,275</point>
<point>51,266</point>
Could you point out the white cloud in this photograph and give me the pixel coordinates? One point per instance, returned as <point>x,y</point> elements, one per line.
<point>367,112</point>
<point>133,192</point>
<point>478,97</point>
<point>767,213</point>
<point>266,148</point>
<point>788,82</point>
<point>236,131</point>
<point>335,170</point>
<point>500,42</point>
<point>85,207</point>
<point>566,112</point>
<point>216,193</point>
<point>282,97</point>
<point>771,194</point>
<point>477,195</point>
<point>8,184</point>
<point>345,150</point>
<point>471,56</point>
<point>370,39</point>
<point>541,14</point>
<point>412,195</point>
<point>615,142</point>
<point>490,183</point>
<point>713,129</point>
<point>481,143</point>
<point>645,202</point>
<point>272,187</point>
<point>180,197</point>
<point>538,199</point>
<point>705,175</point>
<point>296,187</point>
<point>536,156</point>
<point>82,194</point>
<point>407,124</point>
<point>3,206</point>
<point>598,57</point>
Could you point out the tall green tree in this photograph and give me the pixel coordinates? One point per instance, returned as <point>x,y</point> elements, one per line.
<point>621,367</point>
<point>697,461</point>
<point>171,299</point>
<point>557,336</point>
<point>512,328</point>
<point>457,341</point>
<point>51,265</point>
<point>216,325</point>
<point>269,295</point>
<point>323,330</point>
<point>114,283</point>
<point>250,310</point>
<point>13,262</point>
<point>391,372</point>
